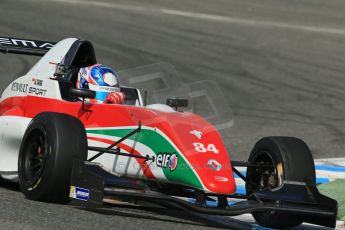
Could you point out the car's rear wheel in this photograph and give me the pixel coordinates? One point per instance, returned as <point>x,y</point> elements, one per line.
<point>50,144</point>
<point>291,160</point>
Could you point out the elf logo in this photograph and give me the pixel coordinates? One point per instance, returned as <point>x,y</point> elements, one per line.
<point>167,160</point>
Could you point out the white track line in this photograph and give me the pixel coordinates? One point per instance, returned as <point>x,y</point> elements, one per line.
<point>251,22</point>
<point>207,17</point>
<point>330,175</point>
<point>331,161</point>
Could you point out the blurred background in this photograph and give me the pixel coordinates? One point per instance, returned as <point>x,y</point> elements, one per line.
<point>280,64</point>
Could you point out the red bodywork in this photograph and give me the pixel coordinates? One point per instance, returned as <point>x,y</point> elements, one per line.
<point>176,125</point>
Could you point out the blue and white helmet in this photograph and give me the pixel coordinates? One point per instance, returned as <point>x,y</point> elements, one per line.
<point>100,79</point>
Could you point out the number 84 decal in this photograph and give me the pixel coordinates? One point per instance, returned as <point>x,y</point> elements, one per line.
<point>201,148</point>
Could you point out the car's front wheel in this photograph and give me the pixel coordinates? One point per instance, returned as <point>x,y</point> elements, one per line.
<point>290,160</point>
<point>50,144</point>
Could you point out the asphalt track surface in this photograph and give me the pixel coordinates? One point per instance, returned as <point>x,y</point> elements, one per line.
<point>279,63</point>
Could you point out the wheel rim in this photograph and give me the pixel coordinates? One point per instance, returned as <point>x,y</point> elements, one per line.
<point>266,178</point>
<point>35,157</point>
<point>270,218</point>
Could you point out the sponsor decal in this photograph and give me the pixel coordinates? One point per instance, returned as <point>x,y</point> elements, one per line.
<point>24,88</point>
<point>79,193</point>
<point>19,87</point>
<point>38,82</point>
<point>196,133</point>
<point>215,165</point>
<point>167,160</point>
<point>37,91</point>
<point>107,89</point>
<point>25,43</point>
<point>221,179</point>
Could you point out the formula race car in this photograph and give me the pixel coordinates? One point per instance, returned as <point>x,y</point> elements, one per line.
<point>61,147</point>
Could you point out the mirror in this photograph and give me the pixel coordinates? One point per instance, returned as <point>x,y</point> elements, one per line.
<point>83,93</point>
<point>177,102</point>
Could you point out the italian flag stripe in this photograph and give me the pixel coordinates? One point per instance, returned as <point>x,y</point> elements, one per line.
<point>184,173</point>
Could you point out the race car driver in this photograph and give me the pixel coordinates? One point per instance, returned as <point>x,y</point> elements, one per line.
<point>103,81</point>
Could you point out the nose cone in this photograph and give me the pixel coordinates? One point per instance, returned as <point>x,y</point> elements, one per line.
<point>204,150</point>
<point>217,177</point>
<point>197,156</point>
<point>213,167</point>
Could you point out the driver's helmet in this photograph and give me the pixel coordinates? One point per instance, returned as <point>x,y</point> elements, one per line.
<point>100,79</point>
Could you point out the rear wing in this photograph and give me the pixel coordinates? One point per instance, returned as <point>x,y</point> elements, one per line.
<point>24,46</point>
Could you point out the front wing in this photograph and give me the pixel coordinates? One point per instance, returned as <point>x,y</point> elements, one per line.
<point>90,184</point>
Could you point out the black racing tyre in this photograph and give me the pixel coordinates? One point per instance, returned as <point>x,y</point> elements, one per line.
<point>291,160</point>
<point>50,144</point>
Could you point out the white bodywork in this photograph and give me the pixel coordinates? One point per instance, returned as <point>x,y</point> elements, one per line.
<point>43,70</point>
<point>38,82</point>
<point>12,128</point>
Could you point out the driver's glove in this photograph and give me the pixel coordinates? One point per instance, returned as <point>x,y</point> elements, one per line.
<point>115,98</point>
